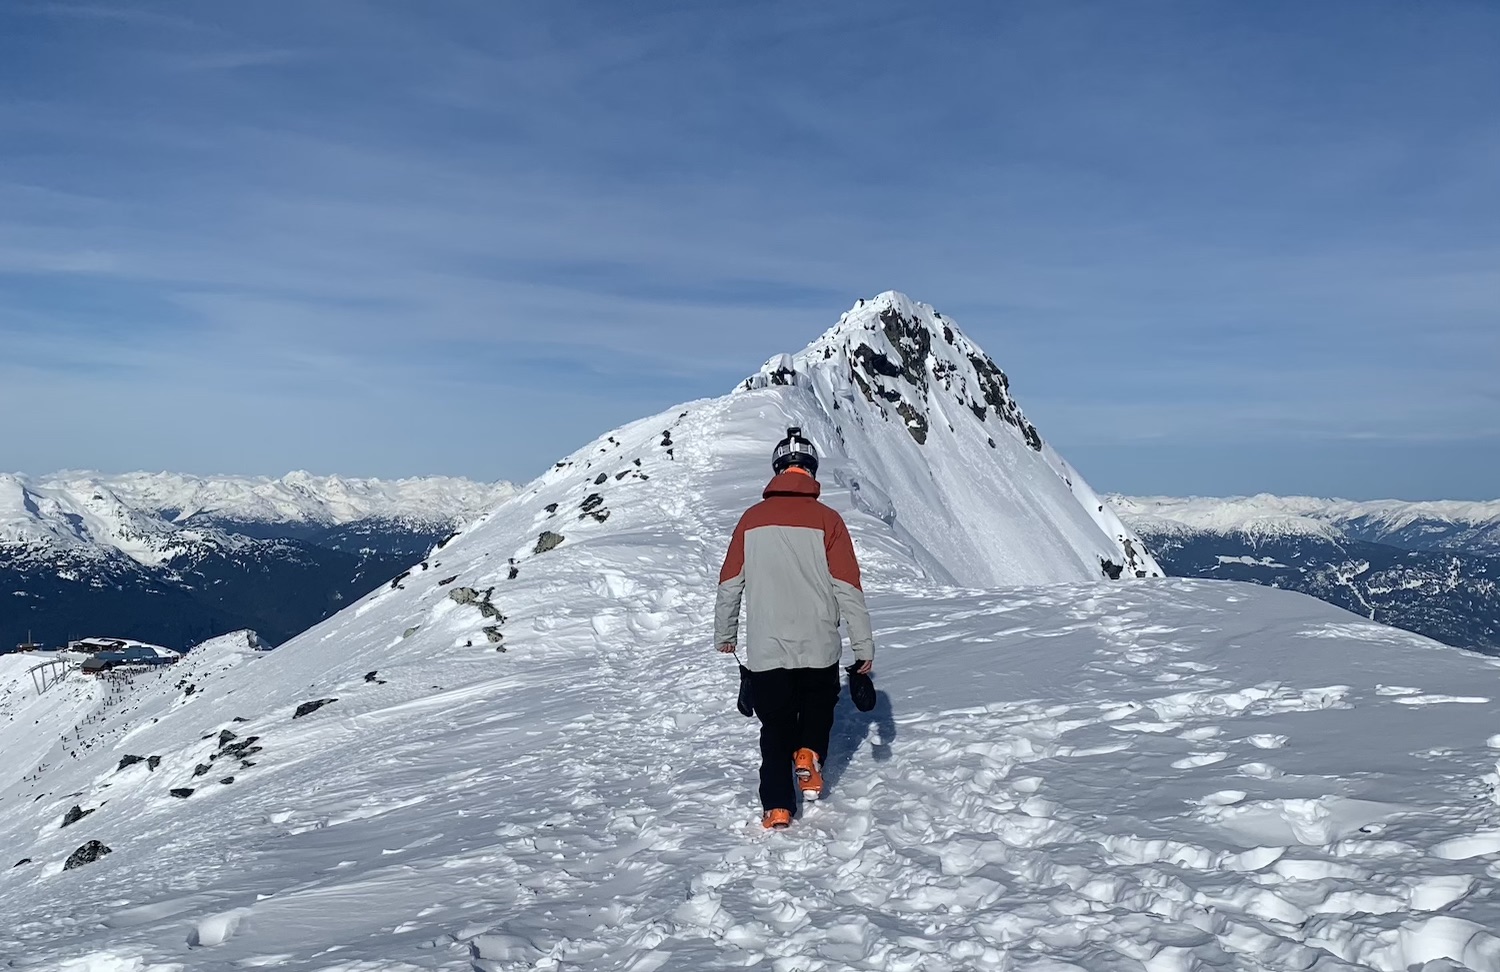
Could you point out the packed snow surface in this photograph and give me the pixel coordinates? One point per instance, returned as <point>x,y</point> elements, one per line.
<point>1162,775</point>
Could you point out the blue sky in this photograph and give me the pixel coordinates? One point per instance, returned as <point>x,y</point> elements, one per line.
<point>1221,248</point>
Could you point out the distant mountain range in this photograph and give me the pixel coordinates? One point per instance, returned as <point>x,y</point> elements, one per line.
<point>1433,568</point>
<point>175,559</point>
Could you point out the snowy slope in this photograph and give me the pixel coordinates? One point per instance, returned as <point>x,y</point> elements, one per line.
<point>1095,775</point>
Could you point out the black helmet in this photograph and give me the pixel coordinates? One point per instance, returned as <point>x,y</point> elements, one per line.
<point>794,450</point>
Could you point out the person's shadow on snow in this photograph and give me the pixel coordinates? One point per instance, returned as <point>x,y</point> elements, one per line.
<point>851,728</point>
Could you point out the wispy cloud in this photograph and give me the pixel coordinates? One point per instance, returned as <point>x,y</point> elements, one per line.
<point>1204,227</point>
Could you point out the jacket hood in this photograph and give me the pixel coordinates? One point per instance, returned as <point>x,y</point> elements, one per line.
<point>793,484</point>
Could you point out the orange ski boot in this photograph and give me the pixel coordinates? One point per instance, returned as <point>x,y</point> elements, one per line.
<point>809,775</point>
<point>776,819</point>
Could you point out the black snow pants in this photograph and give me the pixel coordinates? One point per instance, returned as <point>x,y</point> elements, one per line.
<point>795,706</point>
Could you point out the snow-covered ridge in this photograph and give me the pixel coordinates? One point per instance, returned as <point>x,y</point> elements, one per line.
<point>1267,515</point>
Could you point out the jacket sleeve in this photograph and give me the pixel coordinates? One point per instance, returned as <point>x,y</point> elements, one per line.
<point>731,590</point>
<point>846,588</point>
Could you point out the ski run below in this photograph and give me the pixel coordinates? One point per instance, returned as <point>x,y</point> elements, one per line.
<point>1164,775</point>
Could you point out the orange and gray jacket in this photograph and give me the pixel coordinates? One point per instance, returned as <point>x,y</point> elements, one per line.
<point>792,566</point>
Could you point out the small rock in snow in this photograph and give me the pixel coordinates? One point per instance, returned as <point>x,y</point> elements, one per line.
<point>87,854</point>
<point>74,814</point>
<point>307,708</point>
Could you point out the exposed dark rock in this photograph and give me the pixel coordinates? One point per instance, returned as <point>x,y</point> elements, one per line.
<point>991,442</point>
<point>493,633</point>
<point>181,792</point>
<point>916,422</point>
<point>912,341</point>
<point>411,631</point>
<point>152,762</point>
<point>875,362</point>
<point>75,813</point>
<point>591,502</point>
<point>396,581</point>
<point>87,854</point>
<point>783,376</point>
<point>547,541</point>
<point>550,507</point>
<point>202,768</point>
<point>226,737</point>
<point>864,386</point>
<point>239,719</point>
<point>480,600</point>
<point>1111,569</point>
<point>447,580</point>
<point>307,708</point>
<point>373,677</point>
<point>514,570</point>
<point>601,479</point>
<point>227,780</point>
<point>24,860</point>
<point>129,761</point>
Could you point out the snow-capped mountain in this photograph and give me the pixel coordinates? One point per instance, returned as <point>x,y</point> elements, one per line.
<point>89,519</point>
<point>1446,525</point>
<point>1433,568</point>
<point>298,499</point>
<point>173,559</point>
<point>523,754</point>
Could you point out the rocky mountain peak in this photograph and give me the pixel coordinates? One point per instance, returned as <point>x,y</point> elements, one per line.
<point>900,353</point>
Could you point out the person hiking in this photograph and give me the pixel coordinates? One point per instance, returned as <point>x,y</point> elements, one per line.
<point>791,566</point>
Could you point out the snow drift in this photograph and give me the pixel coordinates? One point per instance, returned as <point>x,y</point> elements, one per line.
<point>523,753</point>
